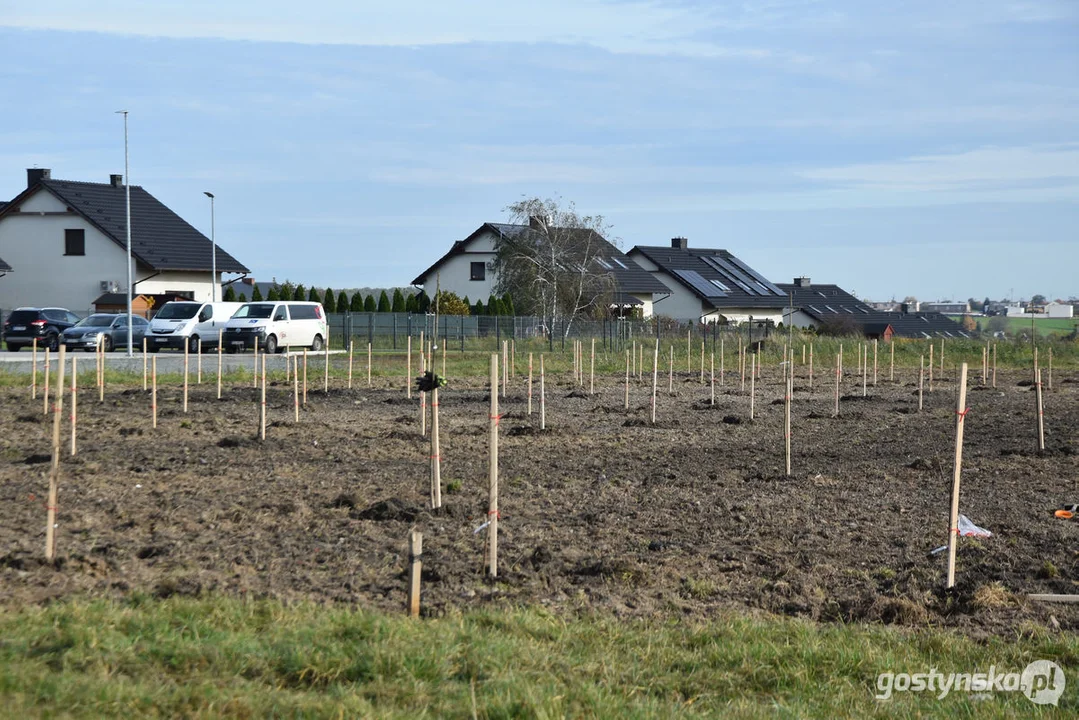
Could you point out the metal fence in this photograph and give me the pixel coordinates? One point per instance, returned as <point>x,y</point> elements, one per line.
<point>457,332</point>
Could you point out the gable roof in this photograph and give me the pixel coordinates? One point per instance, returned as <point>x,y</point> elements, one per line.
<point>716,277</point>
<point>629,277</point>
<point>922,324</point>
<point>160,238</point>
<point>4,267</point>
<point>823,301</point>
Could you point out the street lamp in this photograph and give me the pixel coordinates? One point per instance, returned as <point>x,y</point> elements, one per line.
<point>213,251</point>
<point>127,191</point>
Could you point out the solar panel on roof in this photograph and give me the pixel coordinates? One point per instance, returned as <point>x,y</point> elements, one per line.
<point>757,276</point>
<point>695,280</point>
<point>736,275</point>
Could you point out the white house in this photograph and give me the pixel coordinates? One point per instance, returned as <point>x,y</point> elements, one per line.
<point>67,242</point>
<point>466,270</point>
<point>1059,310</point>
<point>707,285</point>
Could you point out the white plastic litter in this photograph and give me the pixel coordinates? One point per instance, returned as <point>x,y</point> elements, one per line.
<point>969,529</point>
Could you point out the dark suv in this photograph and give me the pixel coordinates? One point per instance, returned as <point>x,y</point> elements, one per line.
<point>47,325</point>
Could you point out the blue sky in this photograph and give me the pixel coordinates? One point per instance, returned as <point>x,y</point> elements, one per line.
<point>917,148</point>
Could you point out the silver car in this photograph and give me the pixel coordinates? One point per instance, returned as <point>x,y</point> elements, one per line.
<point>112,329</point>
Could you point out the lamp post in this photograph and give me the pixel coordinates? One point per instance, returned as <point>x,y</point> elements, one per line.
<point>213,251</point>
<point>127,192</point>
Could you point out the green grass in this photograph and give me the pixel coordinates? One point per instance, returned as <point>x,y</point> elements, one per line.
<point>217,656</point>
<point>1043,326</point>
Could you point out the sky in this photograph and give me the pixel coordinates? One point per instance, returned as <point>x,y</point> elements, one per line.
<point>917,148</point>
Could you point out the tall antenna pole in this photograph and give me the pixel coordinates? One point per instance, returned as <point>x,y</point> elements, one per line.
<point>127,192</point>
<point>213,250</point>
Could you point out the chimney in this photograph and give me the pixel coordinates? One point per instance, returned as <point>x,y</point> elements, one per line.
<point>679,243</point>
<point>116,180</point>
<point>904,308</point>
<point>36,175</point>
<point>802,282</point>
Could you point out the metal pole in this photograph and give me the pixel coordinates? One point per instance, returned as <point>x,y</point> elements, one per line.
<point>127,192</point>
<point>213,251</point>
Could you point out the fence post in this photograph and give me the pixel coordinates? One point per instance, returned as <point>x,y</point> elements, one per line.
<point>394,331</point>
<point>370,329</point>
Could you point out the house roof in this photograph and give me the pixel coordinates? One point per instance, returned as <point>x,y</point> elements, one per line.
<point>160,238</point>
<point>922,324</point>
<point>629,277</point>
<point>717,277</point>
<point>824,301</point>
<point>4,267</point>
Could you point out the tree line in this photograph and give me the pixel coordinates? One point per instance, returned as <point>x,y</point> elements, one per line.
<point>448,303</point>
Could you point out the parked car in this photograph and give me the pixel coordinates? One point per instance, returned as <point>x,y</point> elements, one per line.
<point>277,325</point>
<point>183,322</point>
<point>111,328</point>
<point>45,325</point>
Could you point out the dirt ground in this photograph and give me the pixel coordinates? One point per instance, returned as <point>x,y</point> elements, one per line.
<point>599,511</point>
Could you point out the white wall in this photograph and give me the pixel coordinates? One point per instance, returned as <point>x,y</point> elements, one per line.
<point>1053,310</point>
<point>453,275</point>
<point>33,244</point>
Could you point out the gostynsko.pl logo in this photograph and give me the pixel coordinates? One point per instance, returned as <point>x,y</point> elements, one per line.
<point>1041,682</point>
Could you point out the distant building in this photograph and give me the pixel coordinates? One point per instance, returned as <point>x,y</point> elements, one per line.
<point>890,306</point>
<point>946,308</point>
<point>1059,310</point>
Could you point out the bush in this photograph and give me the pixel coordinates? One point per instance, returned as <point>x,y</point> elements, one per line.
<point>839,326</point>
<point>298,294</point>
<point>450,304</point>
<point>329,302</point>
<point>273,294</point>
<point>256,294</point>
<point>314,296</point>
<point>342,302</point>
<point>369,303</point>
<point>230,294</point>
<point>383,303</point>
<point>398,305</point>
<point>356,304</point>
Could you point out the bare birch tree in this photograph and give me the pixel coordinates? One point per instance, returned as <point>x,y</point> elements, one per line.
<point>554,266</point>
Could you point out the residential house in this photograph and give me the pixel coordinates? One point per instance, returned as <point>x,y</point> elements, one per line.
<point>466,269</point>
<point>142,305</point>
<point>68,240</point>
<point>1059,310</point>
<point>709,285</point>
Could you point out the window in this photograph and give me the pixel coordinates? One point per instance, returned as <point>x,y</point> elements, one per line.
<point>719,285</point>
<point>619,263</point>
<point>74,242</point>
<point>303,312</point>
<point>478,271</point>
<point>280,314</point>
<point>603,263</point>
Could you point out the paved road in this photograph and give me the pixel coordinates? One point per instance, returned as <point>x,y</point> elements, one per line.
<point>167,361</point>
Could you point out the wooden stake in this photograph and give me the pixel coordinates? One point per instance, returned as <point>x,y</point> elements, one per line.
<point>640,364</point>
<point>529,383</point>
<point>721,360</point>
<point>444,344</point>
<point>942,359</point>
<point>288,363</point>
<point>326,365</point>
<point>592,370</point>
<point>742,365</point>
<point>255,373</point>
<point>810,366</point>
<point>953,527</point>
<point>48,364</point>
<point>625,402</point>
<point>513,356</point>
<point>712,375</point>
<point>198,363</point>
<point>153,390</point>
<point>1050,378</point>
<point>101,368</point>
<point>368,364</point>
<point>689,350</point>
<point>702,362</point>
<point>985,365</point>
<point>655,378</point>
<point>220,362</point>
<point>633,360</point>
<point>145,366</point>
<point>262,402</point>
<point>492,469</point>
<point>1041,414</point>
<point>54,473</point>
<point>415,568</point>
<point>436,458</point>
<point>505,368</point>
<point>921,380</point>
<point>865,368</point>
<point>423,413</point>
<point>994,364</point>
<point>752,384</point>
<point>543,397</point>
<point>930,367</point>
<point>891,361</point>
<point>350,343</point>
<point>254,370</point>
<point>838,374</point>
<point>408,370</point>
<point>787,416</point>
<point>74,401</point>
<point>33,369</point>
<point>305,376</point>
<point>874,362</point>
<point>670,374</point>
<point>295,359</point>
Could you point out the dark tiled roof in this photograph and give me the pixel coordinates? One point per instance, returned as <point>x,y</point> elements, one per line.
<point>4,267</point>
<point>629,277</point>
<point>922,325</point>
<point>824,301</point>
<point>160,238</point>
<point>671,260</point>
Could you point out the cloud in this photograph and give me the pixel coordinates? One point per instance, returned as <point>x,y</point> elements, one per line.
<point>990,167</point>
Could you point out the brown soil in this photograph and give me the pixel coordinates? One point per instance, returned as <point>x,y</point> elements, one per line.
<point>601,510</point>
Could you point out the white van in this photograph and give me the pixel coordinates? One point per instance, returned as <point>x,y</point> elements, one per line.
<point>180,323</point>
<point>277,325</point>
